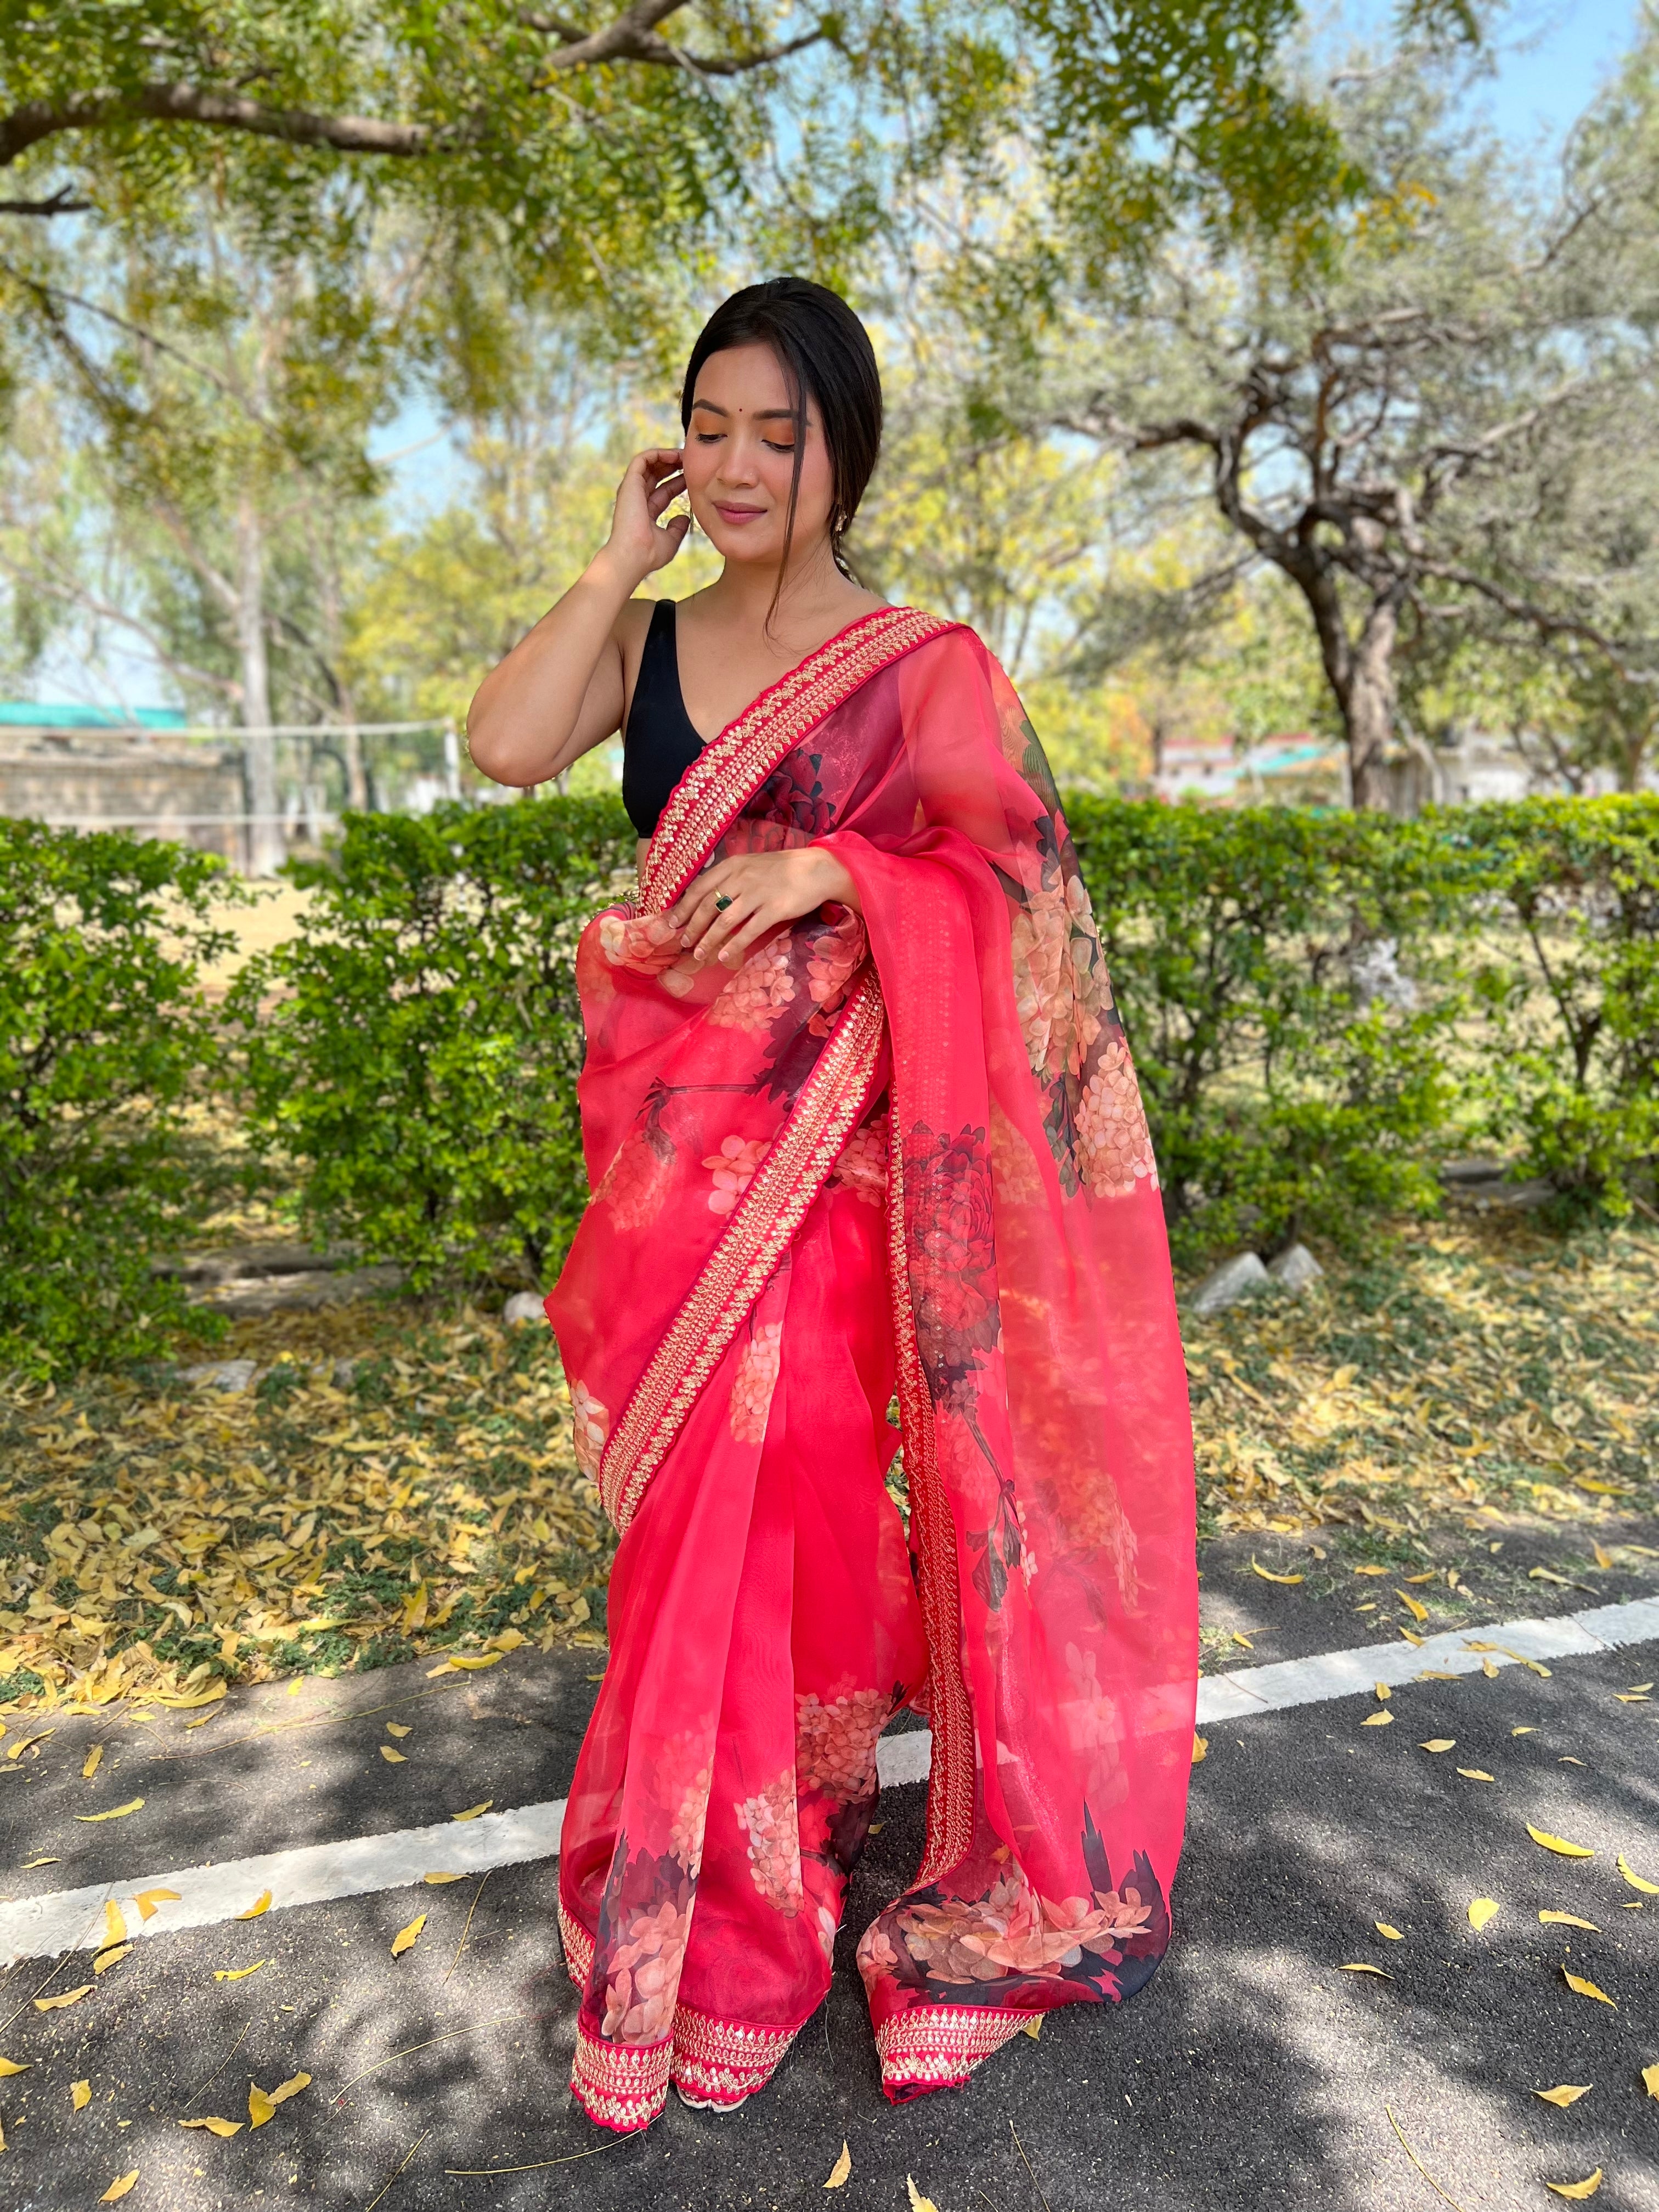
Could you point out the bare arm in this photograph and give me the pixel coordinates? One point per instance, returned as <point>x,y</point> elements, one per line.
<point>559,692</point>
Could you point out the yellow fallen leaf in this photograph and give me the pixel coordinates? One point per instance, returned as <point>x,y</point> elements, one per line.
<point>1481,1910</point>
<point>1239,1636</point>
<point>115,1928</point>
<point>406,1938</point>
<point>119,2188</point>
<point>261,1903</point>
<point>1370,1570</point>
<point>147,1900</point>
<point>393,1758</point>
<point>215,2127</point>
<point>1033,2027</point>
<point>260,2108</point>
<point>1647,1888</point>
<point>434,1879</point>
<point>1268,1576</point>
<point>28,1743</point>
<point>80,2096</point>
<point>1384,1928</point>
<point>1629,1697</point>
<point>291,2087</point>
<point>841,2171</point>
<point>399,1728</point>
<point>473,1811</point>
<point>1528,1730</point>
<point>1476,1774</point>
<point>1438,1743</point>
<point>68,1997</point>
<point>1603,1559</point>
<point>238,1973</point>
<point>1584,1988</point>
<point>1413,1605</point>
<point>1410,1639</point>
<point>1358,1967</point>
<point>1427,1577</point>
<point>1587,2187</point>
<point>918,2201</point>
<point>1385,1689</point>
<point>471,1664</point>
<point>39,1862</point>
<point>115,1813</point>
<point>1200,1746</point>
<point>93,1760</point>
<point>1557,1843</point>
<point>1377,1720</point>
<point>13,2066</point>
<point>1566,2094</point>
<point>1650,2079</point>
<point>1640,1689</point>
<point>1568,1920</point>
<point>113,1957</point>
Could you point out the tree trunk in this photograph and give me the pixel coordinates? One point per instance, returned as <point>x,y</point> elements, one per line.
<point>265,847</point>
<point>1367,706</point>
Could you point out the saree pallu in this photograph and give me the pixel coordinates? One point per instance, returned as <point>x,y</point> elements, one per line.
<point>900,1155</point>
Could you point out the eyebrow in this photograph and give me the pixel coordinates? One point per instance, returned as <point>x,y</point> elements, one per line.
<point>761,413</point>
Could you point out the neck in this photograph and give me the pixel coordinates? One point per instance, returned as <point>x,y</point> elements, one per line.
<point>812,585</point>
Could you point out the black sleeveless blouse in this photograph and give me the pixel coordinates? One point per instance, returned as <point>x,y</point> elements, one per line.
<point>659,741</point>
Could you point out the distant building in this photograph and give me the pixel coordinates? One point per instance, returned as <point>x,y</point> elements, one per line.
<point>92,768</point>
<point>1300,770</point>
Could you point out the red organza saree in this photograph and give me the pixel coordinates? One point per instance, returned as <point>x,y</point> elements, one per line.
<point>903,1155</point>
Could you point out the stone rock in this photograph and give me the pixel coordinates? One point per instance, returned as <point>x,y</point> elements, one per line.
<point>1241,1277</point>
<point>522,1306</point>
<point>345,1374</point>
<point>1295,1267</point>
<point>223,1374</point>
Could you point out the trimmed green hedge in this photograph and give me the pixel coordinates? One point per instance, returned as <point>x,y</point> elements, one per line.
<point>106,1044</point>
<point>413,1051</point>
<point>1321,1007</point>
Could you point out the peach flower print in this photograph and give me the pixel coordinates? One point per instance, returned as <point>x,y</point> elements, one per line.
<point>1013,1930</point>
<point>862,1167</point>
<point>767,1819</point>
<point>686,1831</point>
<point>760,990</point>
<point>644,1975</point>
<point>635,1184</point>
<point>1115,1147</point>
<point>754,1382</point>
<point>647,942</point>
<point>835,1744</point>
<point>831,966</point>
<point>734,1166</point>
<point>590,1424</point>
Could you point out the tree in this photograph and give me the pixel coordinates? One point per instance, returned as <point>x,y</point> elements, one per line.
<point>1415,425</point>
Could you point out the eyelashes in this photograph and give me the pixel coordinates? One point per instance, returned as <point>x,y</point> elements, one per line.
<point>714,438</point>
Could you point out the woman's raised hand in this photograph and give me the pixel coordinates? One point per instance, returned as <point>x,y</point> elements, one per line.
<point>640,541</point>
<point>729,908</point>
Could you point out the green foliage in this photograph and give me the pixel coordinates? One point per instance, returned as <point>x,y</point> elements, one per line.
<point>106,1044</point>
<point>1286,1098</point>
<point>413,1051</point>
<point>1569,1069</point>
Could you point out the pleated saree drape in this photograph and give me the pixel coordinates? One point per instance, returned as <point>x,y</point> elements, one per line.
<point>901,1156</point>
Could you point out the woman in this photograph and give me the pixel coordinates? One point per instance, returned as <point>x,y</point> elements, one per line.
<point>860,1121</point>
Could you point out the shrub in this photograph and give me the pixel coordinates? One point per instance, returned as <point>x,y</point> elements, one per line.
<point>107,1044</point>
<point>1567,978</point>
<point>413,1051</point>
<point>1289,998</point>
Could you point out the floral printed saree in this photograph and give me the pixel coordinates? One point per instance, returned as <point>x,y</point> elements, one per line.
<point>900,1155</point>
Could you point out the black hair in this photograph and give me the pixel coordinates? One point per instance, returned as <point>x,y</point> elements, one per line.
<point>825,351</point>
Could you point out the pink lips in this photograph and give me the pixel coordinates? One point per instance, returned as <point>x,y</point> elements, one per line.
<point>738,514</point>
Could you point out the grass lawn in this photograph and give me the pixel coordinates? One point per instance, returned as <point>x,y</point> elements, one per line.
<point>162,1538</point>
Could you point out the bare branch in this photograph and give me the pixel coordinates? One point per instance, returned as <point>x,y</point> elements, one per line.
<point>38,119</point>
<point>62,202</point>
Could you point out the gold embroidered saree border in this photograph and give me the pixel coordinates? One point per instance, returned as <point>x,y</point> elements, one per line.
<point>949,1712</point>
<point>622,2086</point>
<point>760,1231</point>
<point>938,2046</point>
<point>732,767</point>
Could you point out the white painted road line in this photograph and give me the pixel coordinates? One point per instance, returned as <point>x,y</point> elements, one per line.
<point>73,1919</point>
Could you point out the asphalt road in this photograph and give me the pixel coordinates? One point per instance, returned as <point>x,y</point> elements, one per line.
<point>1252,2072</point>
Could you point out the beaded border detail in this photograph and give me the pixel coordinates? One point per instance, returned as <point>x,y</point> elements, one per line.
<point>938,2046</point>
<point>832,1102</point>
<point>720,781</point>
<point>577,1948</point>
<point>949,1712</point>
<point>619,2085</point>
<point>723,2061</point>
